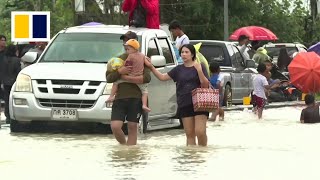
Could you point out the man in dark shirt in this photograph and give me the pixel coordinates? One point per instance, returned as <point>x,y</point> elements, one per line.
<point>127,104</point>
<point>311,113</point>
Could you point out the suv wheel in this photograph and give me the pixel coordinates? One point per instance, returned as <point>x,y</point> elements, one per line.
<point>227,101</point>
<point>15,126</point>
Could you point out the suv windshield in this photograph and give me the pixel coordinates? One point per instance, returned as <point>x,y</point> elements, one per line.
<point>84,47</point>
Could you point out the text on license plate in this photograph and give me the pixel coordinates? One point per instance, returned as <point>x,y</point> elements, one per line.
<point>64,114</point>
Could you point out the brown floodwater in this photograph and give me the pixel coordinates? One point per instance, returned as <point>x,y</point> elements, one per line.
<point>242,147</point>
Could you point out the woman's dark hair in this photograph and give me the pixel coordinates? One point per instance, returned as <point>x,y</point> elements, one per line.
<point>255,45</point>
<point>214,67</point>
<point>11,50</point>
<point>242,37</point>
<point>191,48</point>
<point>261,68</point>
<point>283,59</point>
<point>309,99</point>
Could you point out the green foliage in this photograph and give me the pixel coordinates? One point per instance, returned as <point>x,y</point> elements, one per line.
<point>201,19</point>
<point>62,16</point>
<point>286,18</point>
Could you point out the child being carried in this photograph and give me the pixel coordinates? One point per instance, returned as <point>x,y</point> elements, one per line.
<point>136,61</point>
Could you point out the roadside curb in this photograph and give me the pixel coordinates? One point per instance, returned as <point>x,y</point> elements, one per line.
<point>269,106</point>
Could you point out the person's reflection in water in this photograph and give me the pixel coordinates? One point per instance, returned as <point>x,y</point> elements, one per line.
<point>190,159</point>
<point>129,157</point>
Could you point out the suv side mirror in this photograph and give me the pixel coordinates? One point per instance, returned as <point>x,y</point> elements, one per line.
<point>29,57</point>
<point>250,63</point>
<point>158,61</point>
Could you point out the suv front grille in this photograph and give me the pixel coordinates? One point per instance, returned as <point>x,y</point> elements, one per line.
<point>66,103</point>
<point>67,82</point>
<point>68,86</point>
<point>66,91</point>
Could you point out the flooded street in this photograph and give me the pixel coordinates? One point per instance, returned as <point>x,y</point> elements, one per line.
<point>242,147</point>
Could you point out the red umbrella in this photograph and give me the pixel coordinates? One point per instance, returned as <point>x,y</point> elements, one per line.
<point>255,33</point>
<point>304,72</point>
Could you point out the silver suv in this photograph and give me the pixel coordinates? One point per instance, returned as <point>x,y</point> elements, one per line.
<point>237,72</point>
<point>67,83</point>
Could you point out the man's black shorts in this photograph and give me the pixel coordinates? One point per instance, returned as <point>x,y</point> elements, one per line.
<point>129,109</point>
<point>188,111</point>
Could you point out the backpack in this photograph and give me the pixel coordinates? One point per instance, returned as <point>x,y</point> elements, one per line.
<point>139,16</point>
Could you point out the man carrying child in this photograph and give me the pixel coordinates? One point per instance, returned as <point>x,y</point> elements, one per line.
<point>127,104</point>
<point>136,61</point>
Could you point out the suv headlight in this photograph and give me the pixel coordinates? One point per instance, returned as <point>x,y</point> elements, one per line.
<point>23,83</point>
<point>107,89</point>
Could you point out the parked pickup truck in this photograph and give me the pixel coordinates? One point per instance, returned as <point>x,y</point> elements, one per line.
<point>67,83</point>
<point>273,49</point>
<point>238,73</point>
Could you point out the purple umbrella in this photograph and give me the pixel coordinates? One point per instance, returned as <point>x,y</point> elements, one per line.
<point>315,48</point>
<point>92,24</point>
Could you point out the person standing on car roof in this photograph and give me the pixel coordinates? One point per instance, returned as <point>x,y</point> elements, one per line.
<point>150,12</point>
<point>243,46</point>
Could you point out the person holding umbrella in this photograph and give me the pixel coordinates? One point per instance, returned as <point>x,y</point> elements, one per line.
<point>243,46</point>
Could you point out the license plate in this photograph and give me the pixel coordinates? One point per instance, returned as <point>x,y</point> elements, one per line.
<point>64,114</point>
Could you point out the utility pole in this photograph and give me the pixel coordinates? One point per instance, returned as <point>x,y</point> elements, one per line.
<point>226,20</point>
<point>314,12</point>
<point>313,9</point>
<point>40,5</point>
